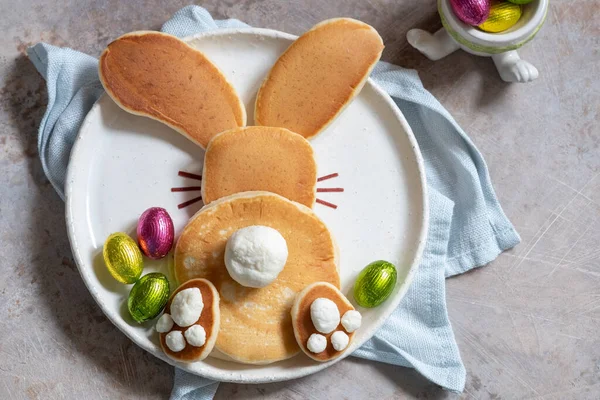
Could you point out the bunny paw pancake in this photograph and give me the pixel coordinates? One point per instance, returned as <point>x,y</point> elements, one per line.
<point>160,76</point>
<point>189,326</point>
<point>260,158</point>
<point>318,76</point>
<point>324,321</point>
<point>256,325</point>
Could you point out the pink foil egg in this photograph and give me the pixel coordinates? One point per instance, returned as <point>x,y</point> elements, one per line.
<point>472,12</point>
<point>155,233</point>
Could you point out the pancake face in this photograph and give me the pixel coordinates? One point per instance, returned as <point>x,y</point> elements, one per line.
<point>256,324</point>
<point>317,76</point>
<point>209,320</point>
<point>161,77</point>
<point>260,158</point>
<point>303,325</point>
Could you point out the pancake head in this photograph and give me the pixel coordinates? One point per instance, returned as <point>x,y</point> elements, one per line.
<point>260,158</point>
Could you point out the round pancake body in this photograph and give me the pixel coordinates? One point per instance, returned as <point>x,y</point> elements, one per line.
<point>302,322</point>
<point>260,158</point>
<point>256,324</point>
<point>160,76</point>
<point>318,76</point>
<point>209,320</point>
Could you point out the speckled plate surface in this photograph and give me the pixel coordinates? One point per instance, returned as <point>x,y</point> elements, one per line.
<point>122,164</point>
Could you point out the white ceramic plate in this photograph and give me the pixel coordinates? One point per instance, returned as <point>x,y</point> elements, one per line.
<point>122,164</point>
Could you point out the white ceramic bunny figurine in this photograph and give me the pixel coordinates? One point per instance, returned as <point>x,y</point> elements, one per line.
<point>500,46</point>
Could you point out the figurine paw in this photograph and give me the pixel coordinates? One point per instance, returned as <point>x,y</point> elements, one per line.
<point>434,46</point>
<point>521,71</point>
<point>418,37</point>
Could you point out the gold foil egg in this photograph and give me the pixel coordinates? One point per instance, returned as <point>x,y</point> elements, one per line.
<point>503,15</point>
<point>123,257</point>
<point>148,297</point>
<point>375,283</point>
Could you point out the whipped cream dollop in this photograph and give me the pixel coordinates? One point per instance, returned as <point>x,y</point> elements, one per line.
<point>164,323</point>
<point>187,306</point>
<point>195,335</point>
<point>255,255</point>
<point>316,343</point>
<point>324,314</point>
<point>351,320</point>
<point>339,340</point>
<point>175,341</point>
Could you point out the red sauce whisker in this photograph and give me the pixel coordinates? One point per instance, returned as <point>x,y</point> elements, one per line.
<point>329,190</point>
<point>189,202</point>
<point>186,189</point>
<point>189,175</point>
<point>326,203</point>
<point>323,178</point>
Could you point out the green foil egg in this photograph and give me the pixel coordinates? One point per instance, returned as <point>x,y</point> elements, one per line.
<point>375,283</point>
<point>148,296</point>
<point>521,2</point>
<point>123,258</point>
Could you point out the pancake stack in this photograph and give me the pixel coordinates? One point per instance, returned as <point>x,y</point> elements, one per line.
<point>256,326</point>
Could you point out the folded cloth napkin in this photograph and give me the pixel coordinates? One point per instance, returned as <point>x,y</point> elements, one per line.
<point>467,225</point>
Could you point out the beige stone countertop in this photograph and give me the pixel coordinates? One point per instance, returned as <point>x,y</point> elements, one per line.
<point>527,325</point>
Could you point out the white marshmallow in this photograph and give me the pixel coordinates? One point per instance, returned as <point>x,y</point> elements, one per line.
<point>351,320</point>
<point>324,314</point>
<point>164,323</point>
<point>195,335</point>
<point>316,343</point>
<point>339,340</point>
<point>255,255</point>
<point>175,341</point>
<point>187,306</point>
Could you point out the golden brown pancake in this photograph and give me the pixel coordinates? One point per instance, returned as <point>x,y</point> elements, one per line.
<point>256,324</point>
<point>302,322</point>
<point>259,158</point>
<point>159,76</point>
<point>318,76</point>
<point>209,320</point>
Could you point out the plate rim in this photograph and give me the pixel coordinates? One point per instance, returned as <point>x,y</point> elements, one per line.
<point>240,376</point>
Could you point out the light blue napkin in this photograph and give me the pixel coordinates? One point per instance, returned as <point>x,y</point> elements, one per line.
<point>467,225</point>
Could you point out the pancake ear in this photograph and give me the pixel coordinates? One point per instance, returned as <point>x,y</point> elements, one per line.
<point>192,96</point>
<point>317,77</point>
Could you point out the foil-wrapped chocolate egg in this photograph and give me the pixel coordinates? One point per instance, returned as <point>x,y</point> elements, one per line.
<point>148,297</point>
<point>522,2</point>
<point>123,258</point>
<point>155,232</point>
<point>375,283</point>
<point>472,12</point>
<point>503,15</point>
